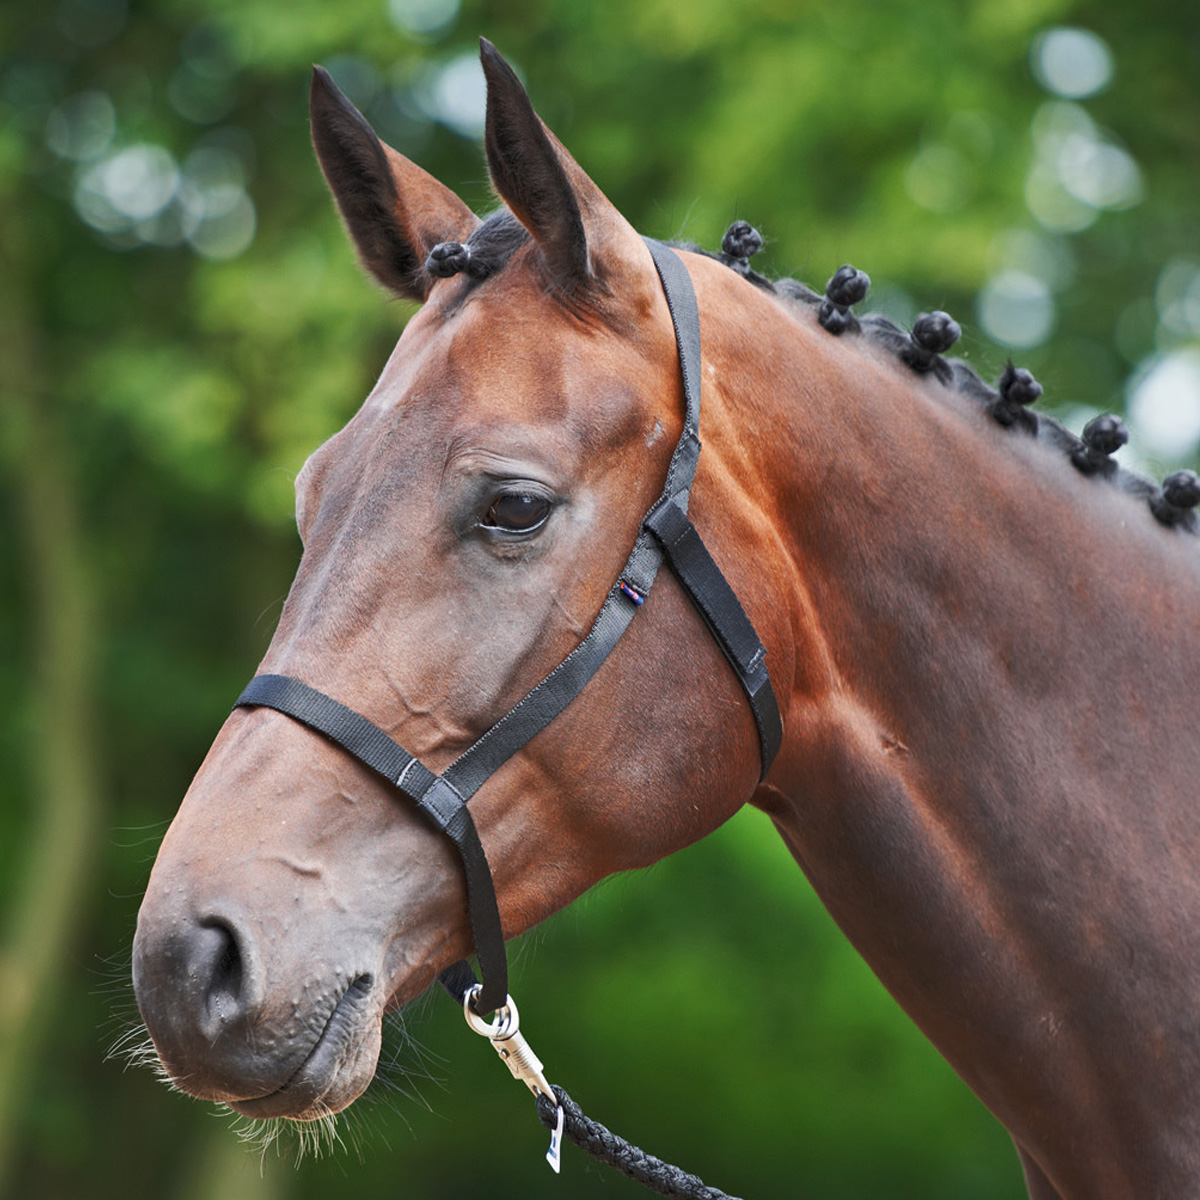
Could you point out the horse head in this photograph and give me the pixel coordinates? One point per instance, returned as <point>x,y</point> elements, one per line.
<point>983,630</point>
<point>460,536</point>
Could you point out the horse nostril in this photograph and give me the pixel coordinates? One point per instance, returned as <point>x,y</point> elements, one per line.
<point>219,969</point>
<point>199,985</point>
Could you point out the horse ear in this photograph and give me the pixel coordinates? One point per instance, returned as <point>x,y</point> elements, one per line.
<point>394,211</point>
<point>576,227</point>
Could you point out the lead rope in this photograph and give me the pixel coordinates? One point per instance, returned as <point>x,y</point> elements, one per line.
<point>605,1146</point>
<point>561,1115</point>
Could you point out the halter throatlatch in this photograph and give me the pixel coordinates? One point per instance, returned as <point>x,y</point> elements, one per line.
<point>666,533</point>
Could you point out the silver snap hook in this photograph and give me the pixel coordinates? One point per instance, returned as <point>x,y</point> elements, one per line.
<point>504,1032</point>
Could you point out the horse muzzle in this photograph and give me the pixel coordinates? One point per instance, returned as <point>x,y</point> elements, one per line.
<point>301,1044</point>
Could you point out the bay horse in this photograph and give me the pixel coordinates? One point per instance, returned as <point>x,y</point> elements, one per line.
<point>986,650</point>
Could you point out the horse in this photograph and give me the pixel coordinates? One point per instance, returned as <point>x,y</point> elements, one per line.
<point>984,637</point>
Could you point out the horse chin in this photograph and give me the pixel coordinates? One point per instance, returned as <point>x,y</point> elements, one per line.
<point>337,1069</point>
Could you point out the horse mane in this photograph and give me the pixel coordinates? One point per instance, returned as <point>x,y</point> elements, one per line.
<point>1007,403</point>
<point>500,235</point>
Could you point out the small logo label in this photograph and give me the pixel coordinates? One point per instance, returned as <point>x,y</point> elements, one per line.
<point>554,1154</point>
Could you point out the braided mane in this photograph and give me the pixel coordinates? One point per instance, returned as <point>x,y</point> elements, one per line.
<point>1007,403</point>
<point>500,235</point>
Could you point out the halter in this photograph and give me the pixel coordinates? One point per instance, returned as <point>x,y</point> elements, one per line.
<point>667,534</point>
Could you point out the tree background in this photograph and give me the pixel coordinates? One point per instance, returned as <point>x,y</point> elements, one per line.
<point>181,323</point>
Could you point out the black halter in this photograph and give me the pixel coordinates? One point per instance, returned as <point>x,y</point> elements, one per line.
<point>665,533</point>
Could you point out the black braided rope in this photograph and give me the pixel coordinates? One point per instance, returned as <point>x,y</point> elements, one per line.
<point>604,1145</point>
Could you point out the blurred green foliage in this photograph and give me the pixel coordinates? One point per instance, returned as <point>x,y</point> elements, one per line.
<point>181,323</point>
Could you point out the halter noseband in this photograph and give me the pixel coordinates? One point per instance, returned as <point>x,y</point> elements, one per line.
<point>665,533</point>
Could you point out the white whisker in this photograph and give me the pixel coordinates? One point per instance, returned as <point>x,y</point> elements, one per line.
<point>313,1138</point>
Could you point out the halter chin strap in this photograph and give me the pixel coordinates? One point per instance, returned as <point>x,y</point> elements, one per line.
<point>665,533</point>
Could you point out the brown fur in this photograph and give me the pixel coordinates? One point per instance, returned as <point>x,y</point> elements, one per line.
<point>988,668</point>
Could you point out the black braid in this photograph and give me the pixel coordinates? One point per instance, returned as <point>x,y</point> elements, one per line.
<point>1180,494</point>
<point>847,287</point>
<point>932,333</point>
<point>1017,389</point>
<point>740,243</point>
<point>447,259</point>
<point>1102,437</point>
<point>604,1145</point>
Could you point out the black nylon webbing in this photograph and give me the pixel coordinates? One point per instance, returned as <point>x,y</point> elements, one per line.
<point>443,798</point>
<point>533,712</point>
<point>353,732</point>
<point>732,630</point>
<point>681,541</point>
<point>685,318</point>
<point>441,804</point>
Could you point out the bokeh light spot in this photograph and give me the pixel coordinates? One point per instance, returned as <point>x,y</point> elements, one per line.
<point>456,95</point>
<point>128,186</point>
<point>1073,63</point>
<point>81,128</point>
<point>1100,174</point>
<point>1052,205</point>
<point>228,232</point>
<point>936,178</point>
<point>423,18</point>
<point>1043,256</point>
<point>1177,299</point>
<point>1164,404</point>
<point>1077,171</point>
<point>1016,309</point>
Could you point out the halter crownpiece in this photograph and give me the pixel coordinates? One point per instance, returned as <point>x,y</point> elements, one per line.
<point>665,534</point>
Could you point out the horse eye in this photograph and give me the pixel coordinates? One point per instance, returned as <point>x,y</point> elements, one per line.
<point>517,512</point>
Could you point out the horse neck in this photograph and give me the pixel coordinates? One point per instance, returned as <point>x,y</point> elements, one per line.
<point>948,573</point>
<point>989,760</point>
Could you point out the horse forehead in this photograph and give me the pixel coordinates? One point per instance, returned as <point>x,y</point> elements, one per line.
<point>519,333</point>
<point>511,360</point>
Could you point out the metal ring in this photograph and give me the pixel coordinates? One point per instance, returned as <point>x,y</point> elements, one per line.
<point>505,1023</point>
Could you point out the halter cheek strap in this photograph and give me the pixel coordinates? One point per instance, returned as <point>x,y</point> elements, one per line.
<point>666,533</point>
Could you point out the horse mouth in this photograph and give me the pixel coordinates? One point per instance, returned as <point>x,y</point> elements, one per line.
<point>325,1082</point>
